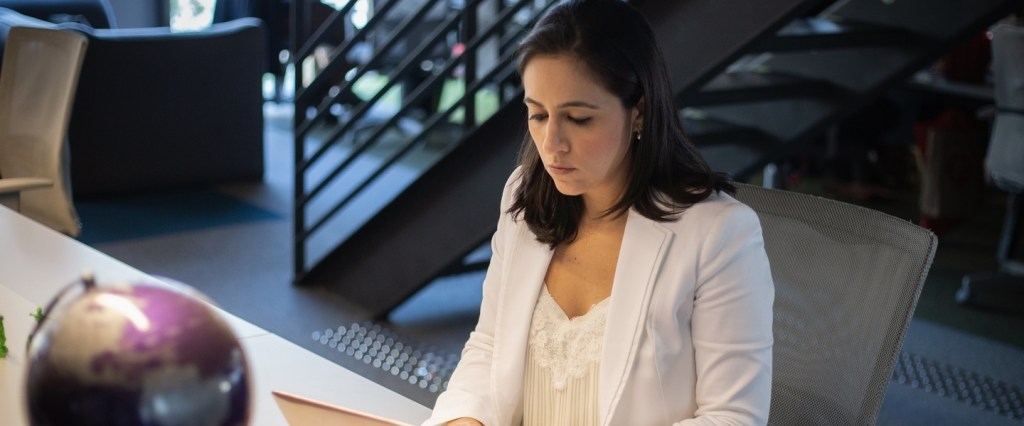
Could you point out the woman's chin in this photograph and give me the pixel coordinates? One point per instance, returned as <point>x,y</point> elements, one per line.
<point>567,189</point>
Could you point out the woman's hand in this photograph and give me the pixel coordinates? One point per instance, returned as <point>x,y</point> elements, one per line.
<point>464,421</point>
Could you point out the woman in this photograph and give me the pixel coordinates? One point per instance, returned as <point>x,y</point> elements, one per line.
<point>625,286</point>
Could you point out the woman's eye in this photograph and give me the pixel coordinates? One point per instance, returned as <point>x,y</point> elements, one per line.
<point>579,120</point>
<point>538,117</point>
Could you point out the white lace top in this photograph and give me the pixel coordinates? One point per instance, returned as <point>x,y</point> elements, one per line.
<point>562,360</point>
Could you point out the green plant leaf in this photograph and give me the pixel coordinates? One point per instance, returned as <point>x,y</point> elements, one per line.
<point>3,339</point>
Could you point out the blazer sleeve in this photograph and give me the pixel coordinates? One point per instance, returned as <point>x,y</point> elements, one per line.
<point>470,391</point>
<point>732,323</point>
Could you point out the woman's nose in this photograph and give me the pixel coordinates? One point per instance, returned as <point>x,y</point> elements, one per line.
<point>554,140</point>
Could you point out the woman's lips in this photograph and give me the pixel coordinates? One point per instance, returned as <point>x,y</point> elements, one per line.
<point>560,170</point>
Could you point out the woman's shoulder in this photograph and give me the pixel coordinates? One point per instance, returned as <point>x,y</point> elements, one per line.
<point>717,207</point>
<point>515,179</point>
<point>719,201</point>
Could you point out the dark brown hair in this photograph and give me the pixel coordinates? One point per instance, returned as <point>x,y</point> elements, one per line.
<point>666,172</point>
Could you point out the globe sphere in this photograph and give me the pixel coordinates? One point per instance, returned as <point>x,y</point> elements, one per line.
<point>138,354</point>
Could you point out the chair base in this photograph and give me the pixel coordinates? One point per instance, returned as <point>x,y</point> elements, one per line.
<point>992,290</point>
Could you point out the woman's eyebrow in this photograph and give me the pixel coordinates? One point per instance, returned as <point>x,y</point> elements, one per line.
<point>570,104</point>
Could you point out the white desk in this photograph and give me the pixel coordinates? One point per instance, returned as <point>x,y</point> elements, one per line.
<point>35,262</point>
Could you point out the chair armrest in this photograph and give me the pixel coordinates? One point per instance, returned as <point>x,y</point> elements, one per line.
<point>9,185</point>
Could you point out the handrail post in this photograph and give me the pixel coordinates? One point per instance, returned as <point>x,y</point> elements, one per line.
<point>469,68</point>
<point>300,17</point>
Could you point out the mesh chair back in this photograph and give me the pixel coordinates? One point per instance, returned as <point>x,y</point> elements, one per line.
<point>37,83</point>
<point>847,279</point>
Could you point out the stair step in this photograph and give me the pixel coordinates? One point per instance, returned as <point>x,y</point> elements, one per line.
<point>937,89</point>
<point>822,33</point>
<point>749,86</point>
<point>739,161</point>
<point>938,20</point>
<point>729,147</point>
<point>707,131</point>
<point>782,119</point>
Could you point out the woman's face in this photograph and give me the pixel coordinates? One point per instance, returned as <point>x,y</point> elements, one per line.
<point>581,131</point>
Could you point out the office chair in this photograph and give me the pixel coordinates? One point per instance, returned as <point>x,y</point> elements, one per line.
<point>847,280</point>
<point>37,85</point>
<point>1004,288</point>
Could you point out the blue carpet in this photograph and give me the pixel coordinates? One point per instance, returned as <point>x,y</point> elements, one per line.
<point>144,216</point>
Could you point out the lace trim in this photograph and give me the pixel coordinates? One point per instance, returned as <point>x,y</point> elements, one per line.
<point>566,347</point>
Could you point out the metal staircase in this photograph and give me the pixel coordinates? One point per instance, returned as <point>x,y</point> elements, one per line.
<point>389,199</point>
<point>792,84</point>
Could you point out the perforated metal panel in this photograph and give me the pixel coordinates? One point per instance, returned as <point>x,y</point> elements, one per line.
<point>420,365</point>
<point>959,384</point>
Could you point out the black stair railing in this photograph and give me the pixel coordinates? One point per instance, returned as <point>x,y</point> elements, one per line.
<point>332,148</point>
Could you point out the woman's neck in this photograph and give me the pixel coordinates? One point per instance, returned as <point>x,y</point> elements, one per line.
<point>599,219</point>
<point>596,206</point>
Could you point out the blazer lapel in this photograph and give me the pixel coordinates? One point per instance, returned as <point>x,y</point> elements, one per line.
<point>524,268</point>
<point>644,245</point>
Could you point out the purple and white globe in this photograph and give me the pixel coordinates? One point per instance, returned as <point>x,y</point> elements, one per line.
<point>138,354</point>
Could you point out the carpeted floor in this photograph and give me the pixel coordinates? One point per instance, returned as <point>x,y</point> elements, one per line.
<point>151,215</point>
<point>233,242</point>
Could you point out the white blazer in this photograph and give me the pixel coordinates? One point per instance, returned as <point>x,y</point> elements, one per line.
<point>688,339</point>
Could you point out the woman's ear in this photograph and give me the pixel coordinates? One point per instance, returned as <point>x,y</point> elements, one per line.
<point>638,114</point>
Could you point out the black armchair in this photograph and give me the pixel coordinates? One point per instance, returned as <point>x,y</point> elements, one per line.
<point>157,109</point>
